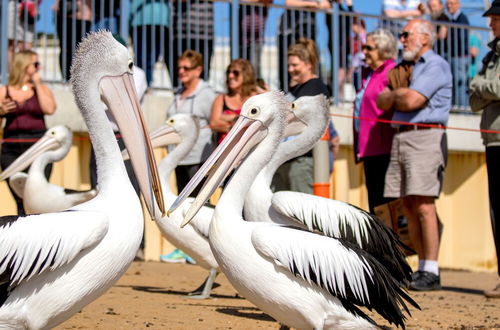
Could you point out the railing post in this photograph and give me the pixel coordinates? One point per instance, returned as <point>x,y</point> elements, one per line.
<point>235,29</point>
<point>334,36</point>
<point>4,67</point>
<point>124,15</point>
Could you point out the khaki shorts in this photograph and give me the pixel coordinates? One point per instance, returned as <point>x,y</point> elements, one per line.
<point>418,159</point>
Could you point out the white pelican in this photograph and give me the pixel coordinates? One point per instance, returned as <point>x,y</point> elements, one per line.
<point>52,147</point>
<point>330,217</point>
<point>183,129</point>
<point>53,264</point>
<point>302,279</point>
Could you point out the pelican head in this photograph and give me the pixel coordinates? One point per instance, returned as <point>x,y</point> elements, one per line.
<point>178,128</point>
<point>307,111</point>
<point>101,64</point>
<point>57,139</point>
<point>261,114</point>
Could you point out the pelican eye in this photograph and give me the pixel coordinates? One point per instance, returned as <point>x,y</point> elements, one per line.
<point>130,65</point>
<point>293,106</point>
<point>171,121</point>
<point>254,112</point>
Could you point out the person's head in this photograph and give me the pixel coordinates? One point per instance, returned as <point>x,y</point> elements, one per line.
<point>24,65</point>
<point>417,37</point>
<point>436,8</point>
<point>453,6</point>
<point>189,66</point>
<point>303,60</point>
<point>494,14</point>
<point>240,77</point>
<point>380,46</point>
<point>358,25</point>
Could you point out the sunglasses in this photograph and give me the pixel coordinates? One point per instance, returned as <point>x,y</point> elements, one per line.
<point>186,68</point>
<point>367,48</point>
<point>404,35</point>
<point>37,65</point>
<point>235,73</point>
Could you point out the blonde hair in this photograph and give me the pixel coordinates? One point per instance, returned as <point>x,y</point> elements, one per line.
<point>306,51</point>
<point>192,56</point>
<point>248,73</point>
<point>20,63</point>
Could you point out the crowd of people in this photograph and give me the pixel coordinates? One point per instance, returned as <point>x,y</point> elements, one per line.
<point>401,161</point>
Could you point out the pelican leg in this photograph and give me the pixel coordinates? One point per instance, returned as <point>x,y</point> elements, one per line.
<point>203,292</point>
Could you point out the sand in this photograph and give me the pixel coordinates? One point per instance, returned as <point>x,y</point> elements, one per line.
<point>152,295</point>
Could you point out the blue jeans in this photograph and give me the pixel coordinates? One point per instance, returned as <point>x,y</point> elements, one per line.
<point>460,71</point>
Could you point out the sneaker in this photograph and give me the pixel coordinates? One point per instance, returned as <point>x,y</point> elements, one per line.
<point>494,293</point>
<point>176,256</point>
<point>426,281</point>
<point>415,275</point>
<point>189,260</point>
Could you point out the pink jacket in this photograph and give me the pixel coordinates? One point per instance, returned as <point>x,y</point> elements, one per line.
<point>375,138</point>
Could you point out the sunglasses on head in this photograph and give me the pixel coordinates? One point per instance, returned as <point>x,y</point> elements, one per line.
<point>367,48</point>
<point>235,73</point>
<point>404,35</point>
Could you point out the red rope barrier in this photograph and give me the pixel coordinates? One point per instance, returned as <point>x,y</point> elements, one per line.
<point>386,121</point>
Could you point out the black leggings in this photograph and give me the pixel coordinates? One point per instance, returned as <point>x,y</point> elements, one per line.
<point>492,166</point>
<point>12,150</point>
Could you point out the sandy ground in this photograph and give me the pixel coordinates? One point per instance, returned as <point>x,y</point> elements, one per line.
<point>151,295</point>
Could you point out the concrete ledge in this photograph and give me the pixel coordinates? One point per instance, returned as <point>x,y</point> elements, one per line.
<point>458,140</point>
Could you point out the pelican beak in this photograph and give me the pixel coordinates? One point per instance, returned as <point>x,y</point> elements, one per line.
<point>119,94</point>
<point>244,135</point>
<point>295,125</point>
<point>23,161</point>
<point>163,136</point>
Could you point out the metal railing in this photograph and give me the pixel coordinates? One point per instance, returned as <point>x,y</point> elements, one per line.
<point>157,31</point>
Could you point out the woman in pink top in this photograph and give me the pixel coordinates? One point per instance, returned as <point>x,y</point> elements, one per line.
<point>241,83</point>
<point>373,139</point>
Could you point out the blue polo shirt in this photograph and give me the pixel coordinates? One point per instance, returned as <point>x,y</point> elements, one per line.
<point>432,78</point>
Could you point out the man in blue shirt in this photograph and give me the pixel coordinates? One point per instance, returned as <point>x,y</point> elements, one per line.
<point>419,151</point>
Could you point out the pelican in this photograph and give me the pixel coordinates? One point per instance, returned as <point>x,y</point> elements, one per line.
<point>53,264</point>
<point>330,217</point>
<point>183,129</point>
<point>302,279</point>
<point>36,190</point>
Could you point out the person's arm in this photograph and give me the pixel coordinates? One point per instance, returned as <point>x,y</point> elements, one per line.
<point>6,105</point>
<point>44,94</point>
<point>302,4</point>
<point>218,121</point>
<point>401,99</point>
<point>393,13</point>
<point>487,89</point>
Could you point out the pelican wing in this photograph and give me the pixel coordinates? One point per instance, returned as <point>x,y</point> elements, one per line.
<point>33,244</point>
<point>348,273</point>
<point>342,220</point>
<point>17,183</point>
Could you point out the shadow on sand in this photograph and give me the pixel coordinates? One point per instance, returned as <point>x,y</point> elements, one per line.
<point>152,289</point>
<point>246,312</point>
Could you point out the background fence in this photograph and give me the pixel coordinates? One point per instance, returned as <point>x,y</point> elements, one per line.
<point>157,31</point>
